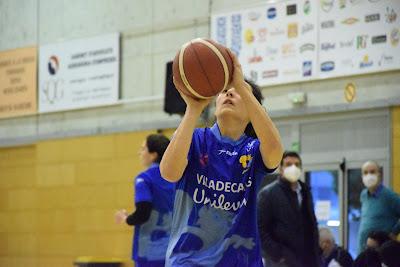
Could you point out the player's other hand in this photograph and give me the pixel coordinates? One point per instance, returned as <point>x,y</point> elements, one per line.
<point>120,216</point>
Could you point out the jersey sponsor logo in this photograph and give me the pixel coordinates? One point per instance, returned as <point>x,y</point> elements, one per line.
<point>217,199</point>
<point>227,152</point>
<point>245,160</point>
<point>203,159</point>
<point>250,146</point>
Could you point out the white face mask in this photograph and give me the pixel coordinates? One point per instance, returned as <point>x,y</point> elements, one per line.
<point>370,180</point>
<point>292,173</point>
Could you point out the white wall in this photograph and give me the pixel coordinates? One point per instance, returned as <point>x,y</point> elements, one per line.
<point>152,31</point>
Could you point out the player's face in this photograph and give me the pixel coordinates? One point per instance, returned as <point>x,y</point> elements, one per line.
<point>230,103</point>
<point>289,161</point>
<point>370,169</point>
<point>146,157</point>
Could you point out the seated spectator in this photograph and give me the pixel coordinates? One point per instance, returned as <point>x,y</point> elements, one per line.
<point>390,254</point>
<point>332,254</point>
<point>376,239</point>
<point>368,258</point>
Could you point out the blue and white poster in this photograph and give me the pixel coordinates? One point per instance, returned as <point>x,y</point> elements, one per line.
<point>79,73</point>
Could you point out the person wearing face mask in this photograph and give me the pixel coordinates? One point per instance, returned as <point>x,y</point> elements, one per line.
<point>286,220</point>
<point>380,206</point>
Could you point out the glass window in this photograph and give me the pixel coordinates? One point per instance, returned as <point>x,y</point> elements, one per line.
<point>324,187</point>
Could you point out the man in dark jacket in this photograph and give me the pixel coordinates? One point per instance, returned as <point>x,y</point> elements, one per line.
<point>286,219</point>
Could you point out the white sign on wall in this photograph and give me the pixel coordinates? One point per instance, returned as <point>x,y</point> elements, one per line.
<point>79,74</point>
<point>358,37</point>
<point>292,41</point>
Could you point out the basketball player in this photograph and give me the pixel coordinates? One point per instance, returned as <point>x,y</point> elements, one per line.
<point>217,171</point>
<point>154,199</point>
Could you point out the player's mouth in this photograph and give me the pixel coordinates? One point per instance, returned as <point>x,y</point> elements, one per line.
<point>228,102</point>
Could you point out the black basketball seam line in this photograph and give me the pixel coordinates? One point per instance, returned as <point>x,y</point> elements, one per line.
<point>201,66</point>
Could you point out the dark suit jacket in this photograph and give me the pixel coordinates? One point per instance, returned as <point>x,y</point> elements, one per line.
<point>287,230</point>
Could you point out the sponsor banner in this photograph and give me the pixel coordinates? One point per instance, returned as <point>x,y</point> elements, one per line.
<point>79,74</point>
<point>304,40</point>
<point>18,82</point>
<point>274,42</point>
<point>358,36</point>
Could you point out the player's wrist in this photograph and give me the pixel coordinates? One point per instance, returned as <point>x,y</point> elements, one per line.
<point>193,111</point>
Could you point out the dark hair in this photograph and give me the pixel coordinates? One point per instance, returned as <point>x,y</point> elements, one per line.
<point>369,257</point>
<point>249,131</point>
<point>291,154</point>
<point>157,143</point>
<point>379,236</point>
<point>390,253</point>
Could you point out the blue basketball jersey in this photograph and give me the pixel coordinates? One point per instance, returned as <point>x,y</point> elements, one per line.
<point>151,238</point>
<point>214,221</point>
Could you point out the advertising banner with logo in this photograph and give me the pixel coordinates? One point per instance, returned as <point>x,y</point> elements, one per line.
<point>276,43</point>
<point>79,74</point>
<point>293,41</point>
<point>358,37</point>
<point>18,81</point>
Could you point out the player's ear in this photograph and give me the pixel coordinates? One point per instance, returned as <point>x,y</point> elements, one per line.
<point>153,156</point>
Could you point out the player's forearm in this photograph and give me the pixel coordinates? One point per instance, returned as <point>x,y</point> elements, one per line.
<point>174,161</point>
<point>270,141</point>
<point>141,215</point>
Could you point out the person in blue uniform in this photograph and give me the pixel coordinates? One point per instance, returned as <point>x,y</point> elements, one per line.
<point>154,199</point>
<point>217,171</point>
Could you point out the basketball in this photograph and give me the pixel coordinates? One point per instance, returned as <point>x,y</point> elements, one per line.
<point>202,68</point>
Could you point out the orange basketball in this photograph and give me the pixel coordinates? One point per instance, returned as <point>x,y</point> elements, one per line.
<point>203,68</point>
